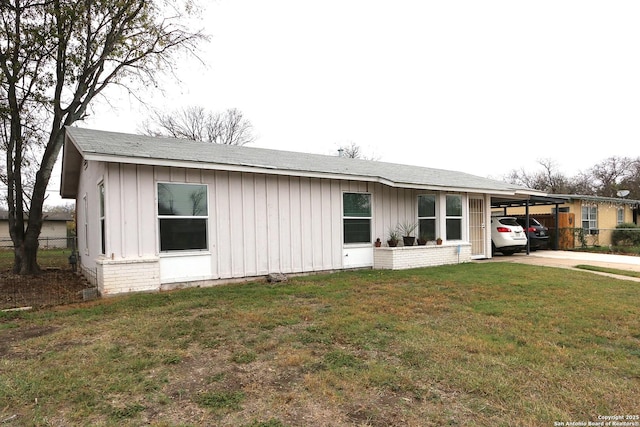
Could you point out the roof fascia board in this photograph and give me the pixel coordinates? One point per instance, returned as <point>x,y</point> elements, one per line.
<point>69,155</point>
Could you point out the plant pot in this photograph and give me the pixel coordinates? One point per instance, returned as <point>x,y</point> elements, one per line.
<point>422,242</point>
<point>408,240</point>
<point>438,241</point>
<point>377,243</point>
<point>392,243</point>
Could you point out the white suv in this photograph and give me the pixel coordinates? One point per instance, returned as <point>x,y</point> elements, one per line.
<point>507,236</point>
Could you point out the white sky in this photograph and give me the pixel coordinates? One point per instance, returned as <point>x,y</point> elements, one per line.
<point>483,87</point>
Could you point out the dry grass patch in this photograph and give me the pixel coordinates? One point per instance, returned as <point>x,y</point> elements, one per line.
<point>473,344</point>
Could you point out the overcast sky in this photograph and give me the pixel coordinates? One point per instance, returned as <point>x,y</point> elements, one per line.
<point>483,87</point>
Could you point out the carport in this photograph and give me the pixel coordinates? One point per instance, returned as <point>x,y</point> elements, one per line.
<point>506,203</point>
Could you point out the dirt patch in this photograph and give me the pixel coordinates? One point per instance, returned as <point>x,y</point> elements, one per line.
<point>49,288</point>
<point>11,336</point>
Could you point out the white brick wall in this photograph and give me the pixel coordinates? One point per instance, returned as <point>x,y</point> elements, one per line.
<point>130,275</point>
<point>401,258</point>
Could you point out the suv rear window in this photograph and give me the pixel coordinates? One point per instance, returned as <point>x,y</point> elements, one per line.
<point>532,222</point>
<point>508,221</point>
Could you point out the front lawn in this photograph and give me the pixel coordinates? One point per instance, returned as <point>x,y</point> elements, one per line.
<point>473,344</point>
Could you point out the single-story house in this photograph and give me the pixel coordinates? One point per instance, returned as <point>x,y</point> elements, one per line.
<point>52,235</point>
<point>158,213</point>
<point>583,220</point>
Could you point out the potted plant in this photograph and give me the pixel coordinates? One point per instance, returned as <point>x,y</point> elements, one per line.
<point>438,241</point>
<point>407,229</point>
<point>424,238</point>
<point>394,237</point>
<point>377,243</point>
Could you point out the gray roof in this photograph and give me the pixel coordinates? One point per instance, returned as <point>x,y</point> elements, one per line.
<point>47,216</point>
<point>139,149</point>
<point>600,199</point>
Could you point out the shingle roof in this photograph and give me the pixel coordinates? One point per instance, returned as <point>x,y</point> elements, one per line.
<point>129,148</point>
<point>47,216</point>
<point>600,199</point>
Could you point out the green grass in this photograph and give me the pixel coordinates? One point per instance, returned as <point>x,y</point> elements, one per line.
<point>47,258</point>
<point>620,250</point>
<point>472,344</point>
<point>609,270</point>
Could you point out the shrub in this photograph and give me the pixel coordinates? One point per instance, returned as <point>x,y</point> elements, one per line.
<point>626,234</point>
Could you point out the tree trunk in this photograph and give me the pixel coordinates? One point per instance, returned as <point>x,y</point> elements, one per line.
<point>26,257</point>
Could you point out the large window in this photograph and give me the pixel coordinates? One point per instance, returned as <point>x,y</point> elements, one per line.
<point>182,216</point>
<point>427,217</point>
<point>454,217</point>
<point>590,219</point>
<point>356,217</point>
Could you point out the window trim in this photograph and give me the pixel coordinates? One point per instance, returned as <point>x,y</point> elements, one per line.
<point>591,218</point>
<point>369,218</point>
<point>101,218</point>
<point>434,217</point>
<point>456,217</point>
<point>85,203</point>
<point>620,215</point>
<point>159,217</point>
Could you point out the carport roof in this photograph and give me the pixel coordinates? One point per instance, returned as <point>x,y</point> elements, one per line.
<point>533,200</point>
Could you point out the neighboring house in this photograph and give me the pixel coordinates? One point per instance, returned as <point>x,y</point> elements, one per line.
<point>158,213</point>
<point>52,235</point>
<point>586,220</point>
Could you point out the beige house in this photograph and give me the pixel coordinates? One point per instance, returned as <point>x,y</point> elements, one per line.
<point>159,213</point>
<point>52,235</point>
<point>583,220</point>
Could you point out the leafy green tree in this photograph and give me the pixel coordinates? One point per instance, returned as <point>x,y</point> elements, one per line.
<point>56,57</point>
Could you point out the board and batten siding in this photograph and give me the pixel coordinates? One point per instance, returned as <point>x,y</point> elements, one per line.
<point>258,223</point>
<point>261,224</point>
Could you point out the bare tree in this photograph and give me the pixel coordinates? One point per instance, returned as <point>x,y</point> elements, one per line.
<point>548,179</point>
<point>229,127</point>
<point>631,181</point>
<point>609,174</point>
<point>354,151</point>
<point>56,57</point>
<point>583,184</point>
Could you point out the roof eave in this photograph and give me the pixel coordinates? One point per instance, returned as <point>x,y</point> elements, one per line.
<point>71,163</point>
<point>151,161</point>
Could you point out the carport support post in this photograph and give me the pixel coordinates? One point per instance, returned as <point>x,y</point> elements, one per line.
<point>526,222</point>
<point>556,245</point>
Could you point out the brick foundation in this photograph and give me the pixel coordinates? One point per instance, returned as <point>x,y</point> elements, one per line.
<point>405,257</point>
<point>128,275</point>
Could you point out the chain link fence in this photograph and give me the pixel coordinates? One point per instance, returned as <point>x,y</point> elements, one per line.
<point>60,281</point>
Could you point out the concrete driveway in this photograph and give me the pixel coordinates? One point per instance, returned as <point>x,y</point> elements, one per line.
<point>569,259</point>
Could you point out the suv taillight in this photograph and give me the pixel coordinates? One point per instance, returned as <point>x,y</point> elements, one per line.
<point>503,230</point>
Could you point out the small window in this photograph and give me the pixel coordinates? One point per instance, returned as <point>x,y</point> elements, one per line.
<point>454,217</point>
<point>85,203</point>
<point>620,215</point>
<point>182,216</point>
<point>102,222</point>
<point>590,219</point>
<point>356,217</point>
<point>427,217</point>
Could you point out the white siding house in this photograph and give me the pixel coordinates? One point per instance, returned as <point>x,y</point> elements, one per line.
<point>157,213</point>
